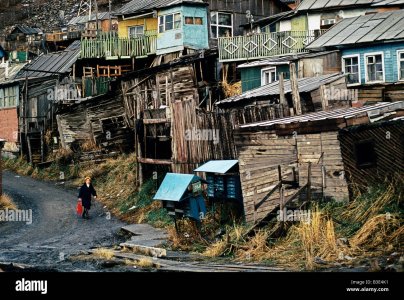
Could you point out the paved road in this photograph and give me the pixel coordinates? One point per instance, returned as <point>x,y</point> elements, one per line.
<point>56,231</point>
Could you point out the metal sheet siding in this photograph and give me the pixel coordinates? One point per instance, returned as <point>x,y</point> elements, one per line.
<point>250,78</point>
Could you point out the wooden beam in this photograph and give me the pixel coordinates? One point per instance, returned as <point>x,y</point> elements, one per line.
<point>155,121</point>
<point>153,161</point>
<point>295,89</point>
<point>282,99</point>
<point>324,98</point>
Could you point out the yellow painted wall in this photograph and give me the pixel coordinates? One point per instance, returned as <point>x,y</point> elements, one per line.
<point>149,23</point>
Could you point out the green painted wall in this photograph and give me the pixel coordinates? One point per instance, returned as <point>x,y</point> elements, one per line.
<point>299,23</point>
<point>251,77</point>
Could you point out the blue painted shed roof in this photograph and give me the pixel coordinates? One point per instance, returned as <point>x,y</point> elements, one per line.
<point>174,186</point>
<point>217,166</point>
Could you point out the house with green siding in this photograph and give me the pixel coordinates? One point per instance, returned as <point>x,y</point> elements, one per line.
<point>372,53</point>
<point>262,72</point>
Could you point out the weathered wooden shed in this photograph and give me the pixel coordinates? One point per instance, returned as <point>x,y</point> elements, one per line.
<point>264,103</point>
<point>320,146</point>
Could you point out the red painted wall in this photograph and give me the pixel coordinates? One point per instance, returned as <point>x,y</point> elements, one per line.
<point>9,124</point>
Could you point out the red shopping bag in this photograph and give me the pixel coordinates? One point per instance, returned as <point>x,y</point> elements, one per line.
<point>79,208</point>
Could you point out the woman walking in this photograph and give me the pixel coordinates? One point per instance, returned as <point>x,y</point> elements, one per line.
<point>85,193</point>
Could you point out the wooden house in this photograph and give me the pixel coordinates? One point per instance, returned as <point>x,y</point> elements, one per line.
<point>40,83</point>
<point>88,26</point>
<point>169,106</point>
<point>226,17</point>
<point>372,51</point>
<point>265,103</point>
<point>23,40</point>
<point>261,72</point>
<point>9,102</point>
<point>324,153</point>
<point>289,32</point>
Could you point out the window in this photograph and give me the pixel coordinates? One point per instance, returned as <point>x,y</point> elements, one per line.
<point>136,31</point>
<point>193,21</point>
<point>374,67</point>
<point>169,22</point>
<point>400,56</point>
<point>365,154</point>
<point>221,24</point>
<point>351,67</point>
<point>327,23</point>
<point>9,97</point>
<point>268,76</point>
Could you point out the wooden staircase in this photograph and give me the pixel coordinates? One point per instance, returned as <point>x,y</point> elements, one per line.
<point>291,202</point>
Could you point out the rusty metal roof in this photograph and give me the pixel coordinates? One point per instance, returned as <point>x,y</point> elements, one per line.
<point>307,84</point>
<point>373,112</point>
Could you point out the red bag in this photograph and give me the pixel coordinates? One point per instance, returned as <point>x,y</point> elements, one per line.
<point>79,208</point>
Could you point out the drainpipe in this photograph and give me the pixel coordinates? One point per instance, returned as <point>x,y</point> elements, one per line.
<point>1,166</point>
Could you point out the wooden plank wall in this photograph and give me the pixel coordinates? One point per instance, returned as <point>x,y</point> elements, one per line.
<point>85,121</point>
<point>260,153</point>
<point>337,99</point>
<point>177,89</point>
<point>324,153</point>
<point>389,148</point>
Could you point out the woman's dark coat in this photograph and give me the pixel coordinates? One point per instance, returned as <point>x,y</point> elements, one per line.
<point>85,195</point>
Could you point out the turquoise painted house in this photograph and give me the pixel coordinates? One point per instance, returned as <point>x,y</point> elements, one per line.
<point>262,72</point>
<point>372,52</point>
<point>183,25</point>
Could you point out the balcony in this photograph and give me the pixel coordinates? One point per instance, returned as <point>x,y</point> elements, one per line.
<point>110,46</point>
<point>264,45</point>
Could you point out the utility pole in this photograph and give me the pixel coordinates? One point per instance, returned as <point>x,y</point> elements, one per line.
<point>109,13</point>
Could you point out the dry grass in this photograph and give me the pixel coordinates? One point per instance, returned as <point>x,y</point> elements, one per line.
<point>308,243</point>
<point>103,253</point>
<point>89,145</point>
<point>231,90</point>
<point>7,202</point>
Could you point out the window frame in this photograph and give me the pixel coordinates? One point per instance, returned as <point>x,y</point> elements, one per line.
<point>365,56</point>
<point>179,21</point>
<point>399,60</point>
<point>359,68</point>
<point>217,25</point>
<point>135,26</point>
<point>264,71</point>
<point>193,20</point>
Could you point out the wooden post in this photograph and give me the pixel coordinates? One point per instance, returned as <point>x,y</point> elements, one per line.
<point>282,99</point>
<point>1,167</point>
<point>309,183</point>
<point>295,89</point>
<point>324,98</point>
<point>279,172</point>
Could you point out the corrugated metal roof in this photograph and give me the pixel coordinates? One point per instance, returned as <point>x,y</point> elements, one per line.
<point>305,85</point>
<point>346,113</point>
<point>139,6</point>
<point>85,19</point>
<point>388,26</point>
<point>217,166</point>
<point>28,30</point>
<point>333,4</point>
<point>174,186</point>
<point>282,60</point>
<point>58,62</point>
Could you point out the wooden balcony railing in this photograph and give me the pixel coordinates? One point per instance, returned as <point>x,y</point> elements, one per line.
<point>264,45</point>
<point>109,46</point>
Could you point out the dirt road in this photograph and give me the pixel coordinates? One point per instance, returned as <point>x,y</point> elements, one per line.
<point>56,231</point>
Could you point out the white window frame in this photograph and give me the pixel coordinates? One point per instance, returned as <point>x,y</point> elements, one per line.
<point>366,55</point>
<point>359,68</point>
<point>216,26</point>
<point>398,63</point>
<point>333,22</point>
<point>164,22</point>
<point>265,70</point>
<point>134,27</point>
